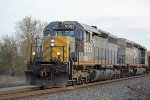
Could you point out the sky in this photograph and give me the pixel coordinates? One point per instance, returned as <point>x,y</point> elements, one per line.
<point>128,19</point>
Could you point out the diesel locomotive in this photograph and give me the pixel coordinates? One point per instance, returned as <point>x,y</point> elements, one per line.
<point>74,53</point>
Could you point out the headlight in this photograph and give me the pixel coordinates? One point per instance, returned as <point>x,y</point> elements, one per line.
<point>33,53</point>
<point>58,53</point>
<point>52,44</point>
<point>52,40</point>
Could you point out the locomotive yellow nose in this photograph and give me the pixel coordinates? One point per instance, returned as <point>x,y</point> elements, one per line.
<point>54,46</point>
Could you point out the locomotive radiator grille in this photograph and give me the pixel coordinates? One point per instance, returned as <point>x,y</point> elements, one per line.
<point>59,45</point>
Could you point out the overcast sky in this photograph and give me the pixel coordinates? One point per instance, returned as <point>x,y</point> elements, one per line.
<point>124,18</point>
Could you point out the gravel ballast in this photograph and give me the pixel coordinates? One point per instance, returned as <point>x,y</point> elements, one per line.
<point>132,89</point>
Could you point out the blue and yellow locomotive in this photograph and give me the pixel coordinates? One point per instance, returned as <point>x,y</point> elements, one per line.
<point>75,53</point>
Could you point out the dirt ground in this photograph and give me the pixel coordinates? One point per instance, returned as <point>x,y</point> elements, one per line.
<point>7,81</point>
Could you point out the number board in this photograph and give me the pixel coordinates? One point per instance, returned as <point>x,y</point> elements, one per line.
<point>66,26</point>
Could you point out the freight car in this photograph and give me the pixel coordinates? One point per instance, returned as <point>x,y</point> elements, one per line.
<point>75,53</point>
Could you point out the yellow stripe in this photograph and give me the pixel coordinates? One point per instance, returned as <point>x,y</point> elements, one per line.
<point>65,48</point>
<point>47,59</point>
<point>53,55</point>
<point>46,52</point>
<point>62,38</point>
<point>45,38</point>
<point>60,51</point>
<point>58,43</point>
<point>47,45</point>
<point>56,56</point>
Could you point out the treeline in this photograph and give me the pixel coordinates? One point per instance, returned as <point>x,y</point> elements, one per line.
<point>15,49</point>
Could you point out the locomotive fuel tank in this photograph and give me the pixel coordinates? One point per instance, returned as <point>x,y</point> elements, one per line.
<point>98,75</point>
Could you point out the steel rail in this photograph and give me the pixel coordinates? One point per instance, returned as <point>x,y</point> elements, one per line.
<point>28,93</point>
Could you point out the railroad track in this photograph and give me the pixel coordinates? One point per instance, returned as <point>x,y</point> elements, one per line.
<point>26,92</point>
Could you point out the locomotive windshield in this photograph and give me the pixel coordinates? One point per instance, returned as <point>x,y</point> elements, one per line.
<point>63,33</point>
<point>57,33</point>
<point>69,33</point>
<point>78,34</point>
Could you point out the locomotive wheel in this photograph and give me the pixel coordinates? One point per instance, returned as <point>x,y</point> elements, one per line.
<point>119,75</point>
<point>88,79</point>
<point>83,80</point>
<point>74,81</point>
<point>122,75</point>
<point>113,77</point>
<point>116,76</point>
<point>79,80</point>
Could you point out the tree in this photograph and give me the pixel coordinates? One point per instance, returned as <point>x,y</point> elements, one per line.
<point>26,30</point>
<point>8,55</point>
<point>15,51</point>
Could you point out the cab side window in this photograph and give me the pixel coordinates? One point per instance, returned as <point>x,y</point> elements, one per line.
<point>87,37</point>
<point>79,35</point>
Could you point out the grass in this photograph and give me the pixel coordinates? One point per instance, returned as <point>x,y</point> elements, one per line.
<point>9,81</point>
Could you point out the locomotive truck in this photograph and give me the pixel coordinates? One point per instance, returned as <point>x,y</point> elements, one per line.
<point>74,53</point>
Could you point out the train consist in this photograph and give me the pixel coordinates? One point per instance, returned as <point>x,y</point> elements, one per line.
<point>75,53</point>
